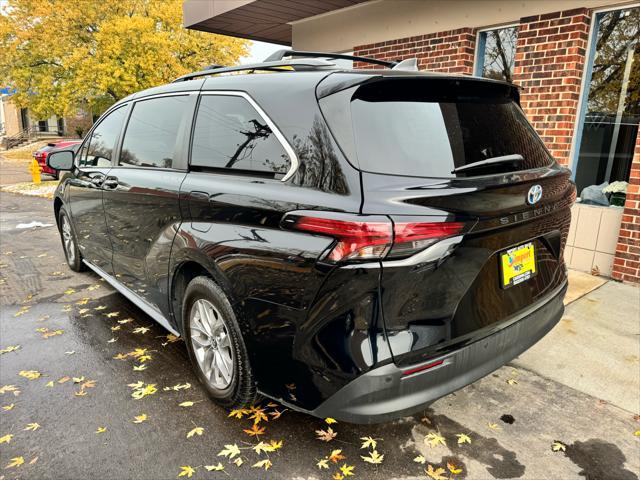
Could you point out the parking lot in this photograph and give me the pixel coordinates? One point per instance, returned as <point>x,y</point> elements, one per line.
<point>76,355</point>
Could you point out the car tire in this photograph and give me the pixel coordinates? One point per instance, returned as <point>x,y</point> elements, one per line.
<point>215,345</point>
<point>69,241</point>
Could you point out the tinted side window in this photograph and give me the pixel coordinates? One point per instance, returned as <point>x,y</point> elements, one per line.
<point>230,133</point>
<point>103,140</point>
<point>152,132</point>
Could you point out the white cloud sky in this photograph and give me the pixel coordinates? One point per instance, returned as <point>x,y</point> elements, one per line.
<point>259,51</point>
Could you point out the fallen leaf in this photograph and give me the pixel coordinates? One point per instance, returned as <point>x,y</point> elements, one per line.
<point>493,426</point>
<point>112,314</point>
<point>139,368</point>
<point>6,408</point>
<point>64,379</point>
<point>49,384</point>
<point>69,291</point>
<point>15,462</point>
<point>238,413</point>
<point>214,468</point>
<point>7,438</point>
<point>275,445</point>
<point>262,447</point>
<point>141,330</point>
<point>637,433</point>
<point>238,461</point>
<point>115,328</point>
<point>463,438</point>
<point>78,379</point>
<point>186,404</point>
<point>558,446</point>
<point>275,414</point>
<point>100,307</point>
<point>368,442</point>
<point>195,431</point>
<point>101,429</point>
<point>512,381</point>
<point>32,427</point>
<point>258,415</point>
<point>326,435</point>
<point>229,451</point>
<point>254,431</point>
<point>143,391</point>
<point>337,476</point>
<point>93,287</point>
<point>322,464</point>
<point>336,456</point>
<point>347,470</point>
<point>178,387</point>
<point>435,474</point>
<point>84,301</point>
<point>9,388</point>
<point>112,340</point>
<point>420,459</point>
<point>330,420</point>
<point>9,349</point>
<point>80,393</point>
<point>453,468</point>
<point>266,464</point>
<point>125,320</point>
<point>88,384</point>
<point>71,352</point>
<point>433,439</point>
<point>30,374</point>
<point>140,418</point>
<point>373,457</point>
<point>186,471</point>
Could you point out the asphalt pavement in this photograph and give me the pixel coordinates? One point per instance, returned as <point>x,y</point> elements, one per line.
<point>75,352</point>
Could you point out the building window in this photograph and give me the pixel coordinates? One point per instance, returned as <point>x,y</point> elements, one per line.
<point>610,110</point>
<point>497,53</point>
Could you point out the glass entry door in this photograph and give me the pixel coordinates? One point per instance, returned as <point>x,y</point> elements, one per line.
<point>611,109</point>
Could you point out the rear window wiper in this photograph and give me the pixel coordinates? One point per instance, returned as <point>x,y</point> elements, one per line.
<point>514,158</point>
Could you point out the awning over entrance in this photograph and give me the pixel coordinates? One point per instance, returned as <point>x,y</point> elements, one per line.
<point>264,20</point>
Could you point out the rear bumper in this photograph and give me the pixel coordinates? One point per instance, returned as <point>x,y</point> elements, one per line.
<point>384,394</point>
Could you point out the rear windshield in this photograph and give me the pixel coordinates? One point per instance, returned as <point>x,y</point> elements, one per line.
<point>431,127</point>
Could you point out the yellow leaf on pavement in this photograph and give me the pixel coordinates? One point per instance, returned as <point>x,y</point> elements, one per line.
<point>229,451</point>
<point>463,438</point>
<point>196,431</point>
<point>435,474</point>
<point>420,459</point>
<point>347,470</point>
<point>186,404</point>
<point>433,439</point>
<point>323,464</point>
<point>15,462</point>
<point>368,442</point>
<point>214,468</point>
<point>558,446</point>
<point>238,413</point>
<point>7,438</point>
<point>266,464</point>
<point>32,427</point>
<point>186,471</point>
<point>336,456</point>
<point>453,468</point>
<point>140,418</point>
<point>326,435</point>
<point>30,374</point>
<point>373,457</point>
<point>254,431</point>
<point>6,408</point>
<point>101,429</point>
<point>330,420</point>
<point>9,349</point>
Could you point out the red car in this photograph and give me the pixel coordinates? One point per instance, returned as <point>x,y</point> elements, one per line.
<point>41,154</point>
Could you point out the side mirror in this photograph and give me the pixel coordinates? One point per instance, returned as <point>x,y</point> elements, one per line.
<point>60,160</point>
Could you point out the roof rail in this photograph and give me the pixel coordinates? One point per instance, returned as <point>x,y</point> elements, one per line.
<point>298,65</point>
<point>280,54</point>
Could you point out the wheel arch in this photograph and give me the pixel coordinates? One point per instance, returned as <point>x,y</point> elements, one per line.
<point>189,266</point>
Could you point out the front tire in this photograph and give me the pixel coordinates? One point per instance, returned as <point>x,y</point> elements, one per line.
<point>215,345</point>
<point>69,242</point>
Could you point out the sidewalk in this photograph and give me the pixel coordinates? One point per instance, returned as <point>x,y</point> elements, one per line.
<point>595,348</point>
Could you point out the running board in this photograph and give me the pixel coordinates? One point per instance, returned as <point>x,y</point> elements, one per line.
<point>133,298</point>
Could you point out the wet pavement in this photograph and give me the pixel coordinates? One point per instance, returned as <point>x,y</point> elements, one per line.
<point>73,325</point>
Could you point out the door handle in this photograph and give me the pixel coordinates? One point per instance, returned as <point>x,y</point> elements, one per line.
<point>110,182</point>
<point>98,181</point>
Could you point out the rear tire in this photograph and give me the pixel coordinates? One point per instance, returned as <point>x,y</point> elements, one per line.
<point>215,345</point>
<point>69,241</point>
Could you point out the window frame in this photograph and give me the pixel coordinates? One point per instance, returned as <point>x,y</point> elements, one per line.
<point>179,163</point>
<point>87,139</point>
<point>293,158</point>
<point>481,40</point>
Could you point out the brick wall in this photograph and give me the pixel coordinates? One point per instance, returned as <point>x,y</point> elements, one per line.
<point>626,264</point>
<point>450,51</point>
<point>550,59</point>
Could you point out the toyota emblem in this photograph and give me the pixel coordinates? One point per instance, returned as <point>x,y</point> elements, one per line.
<point>534,195</point>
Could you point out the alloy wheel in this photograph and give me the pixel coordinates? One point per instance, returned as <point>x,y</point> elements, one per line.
<point>67,239</point>
<point>211,344</point>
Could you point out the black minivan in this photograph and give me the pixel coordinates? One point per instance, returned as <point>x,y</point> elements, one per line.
<point>352,243</point>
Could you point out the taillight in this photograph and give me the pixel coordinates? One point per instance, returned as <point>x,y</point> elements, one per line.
<point>368,237</point>
<point>361,240</point>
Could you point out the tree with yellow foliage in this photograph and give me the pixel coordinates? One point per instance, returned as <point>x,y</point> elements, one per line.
<point>59,54</point>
